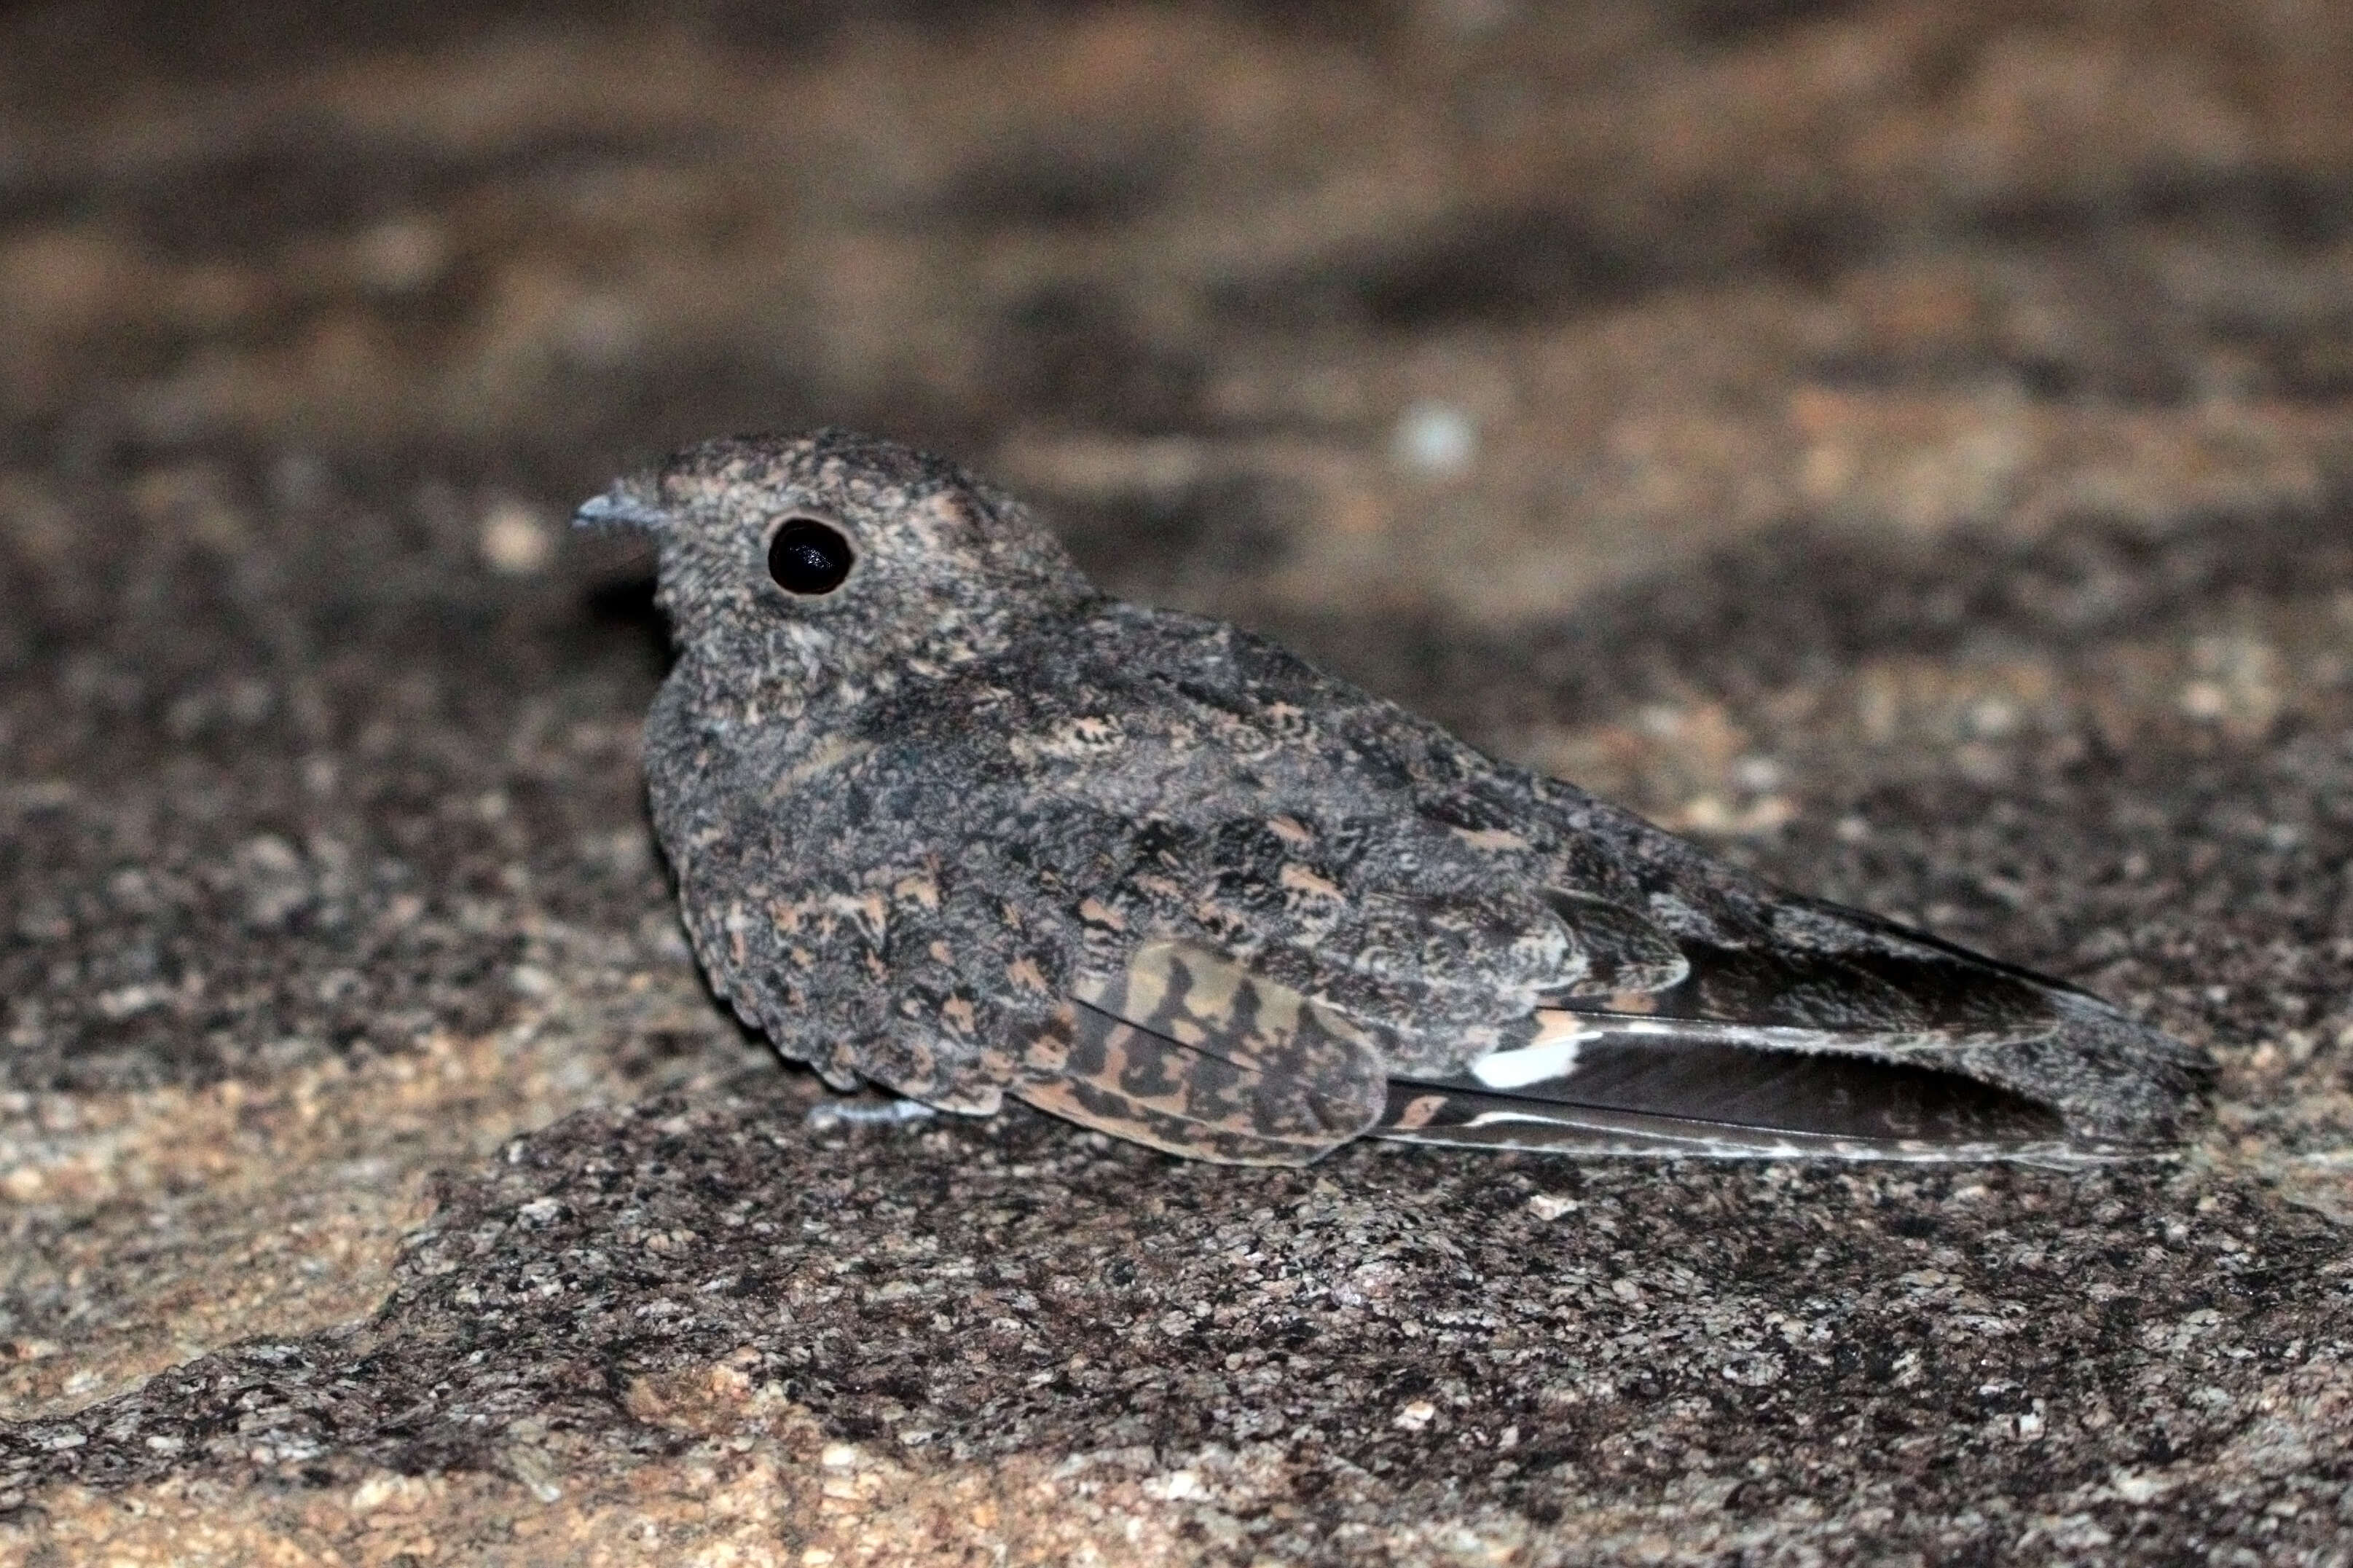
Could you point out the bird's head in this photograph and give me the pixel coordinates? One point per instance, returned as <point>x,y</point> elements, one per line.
<point>835,559</point>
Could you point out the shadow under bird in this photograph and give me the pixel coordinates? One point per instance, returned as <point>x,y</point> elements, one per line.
<point>948,819</point>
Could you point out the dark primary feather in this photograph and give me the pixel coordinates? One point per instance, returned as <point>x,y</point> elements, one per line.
<point>969,829</point>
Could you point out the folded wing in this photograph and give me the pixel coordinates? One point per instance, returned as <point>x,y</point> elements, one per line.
<point>1188,1053</point>
<point>1847,1037</point>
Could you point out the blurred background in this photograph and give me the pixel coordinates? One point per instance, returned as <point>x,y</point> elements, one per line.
<point>1453,309</point>
<point>1637,386</point>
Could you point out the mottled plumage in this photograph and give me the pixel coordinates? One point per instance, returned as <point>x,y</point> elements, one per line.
<point>955,823</point>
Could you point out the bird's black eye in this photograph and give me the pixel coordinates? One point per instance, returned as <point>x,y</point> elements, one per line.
<point>808,557</point>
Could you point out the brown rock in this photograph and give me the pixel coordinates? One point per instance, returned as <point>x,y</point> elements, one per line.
<point>1907,444</point>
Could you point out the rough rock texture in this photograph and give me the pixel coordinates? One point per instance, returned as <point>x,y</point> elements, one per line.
<point>1911,446</point>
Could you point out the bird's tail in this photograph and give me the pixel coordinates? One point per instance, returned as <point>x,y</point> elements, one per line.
<point>1599,1083</point>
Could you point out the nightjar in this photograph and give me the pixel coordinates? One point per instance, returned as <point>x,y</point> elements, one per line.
<point>948,819</point>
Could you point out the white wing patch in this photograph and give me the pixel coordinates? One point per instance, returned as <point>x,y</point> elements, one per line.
<point>1552,1055</point>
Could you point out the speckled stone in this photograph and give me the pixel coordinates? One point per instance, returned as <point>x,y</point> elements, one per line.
<point>1907,449</point>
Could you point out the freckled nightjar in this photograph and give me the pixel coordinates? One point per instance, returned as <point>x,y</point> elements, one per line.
<point>946,819</point>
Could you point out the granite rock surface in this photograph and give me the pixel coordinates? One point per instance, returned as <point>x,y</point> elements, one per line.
<point>1909,447</point>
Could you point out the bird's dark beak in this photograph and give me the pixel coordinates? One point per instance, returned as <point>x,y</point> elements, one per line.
<point>634,501</point>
